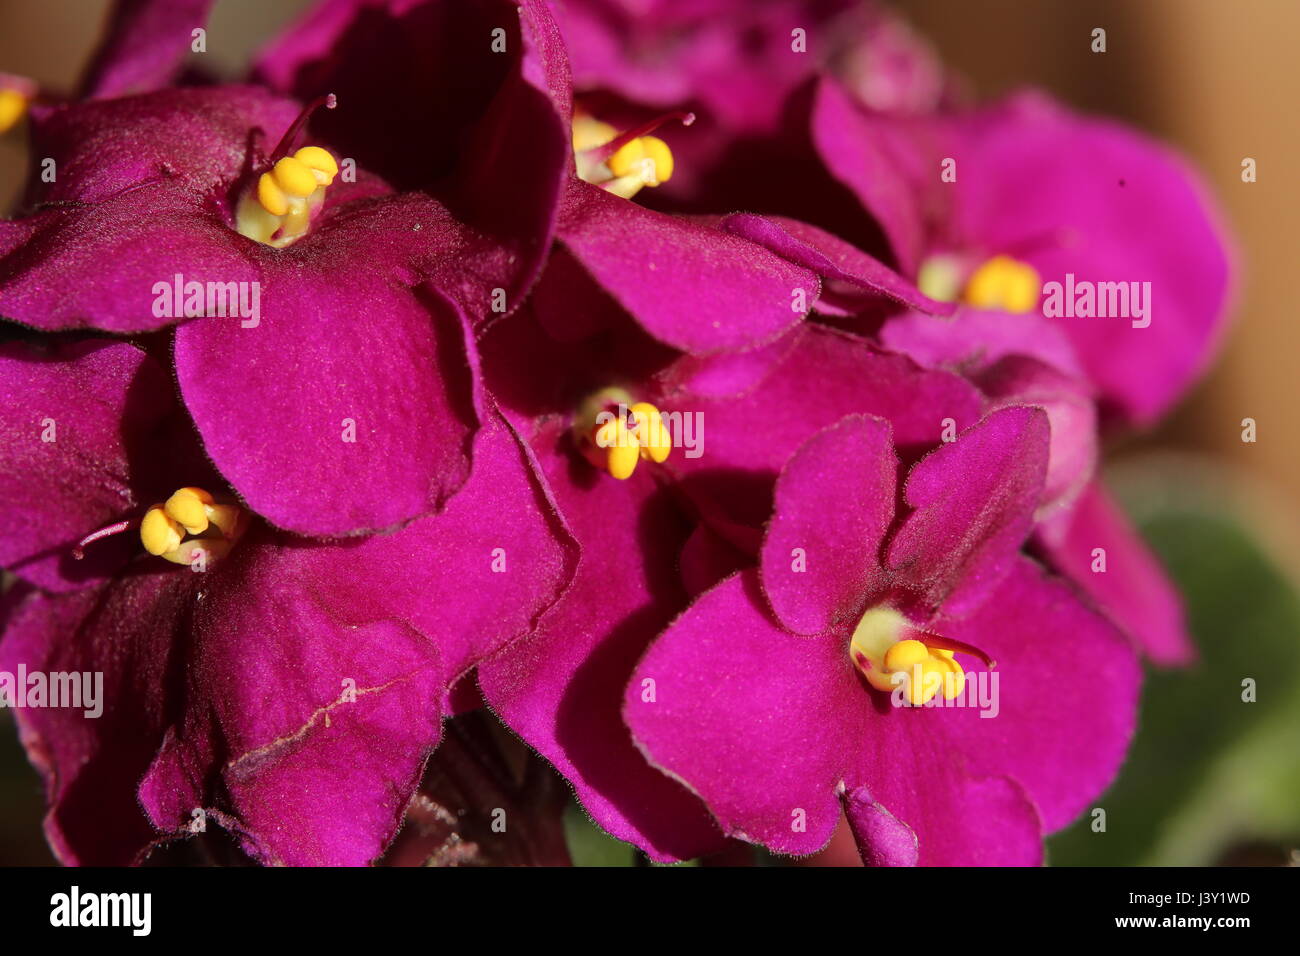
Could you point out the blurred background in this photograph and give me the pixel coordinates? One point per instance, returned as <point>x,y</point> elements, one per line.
<point>1210,780</point>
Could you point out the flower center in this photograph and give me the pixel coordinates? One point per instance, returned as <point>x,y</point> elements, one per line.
<point>615,433</point>
<point>1001,283</point>
<point>188,523</point>
<point>276,209</point>
<point>623,163</point>
<point>889,650</point>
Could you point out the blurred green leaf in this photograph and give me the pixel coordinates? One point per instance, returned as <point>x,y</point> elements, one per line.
<point>1207,769</point>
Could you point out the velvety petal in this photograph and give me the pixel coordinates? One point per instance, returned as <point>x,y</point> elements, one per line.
<point>89,428</point>
<point>1094,199</point>
<point>878,158</point>
<point>144,44</point>
<point>761,723</point>
<point>486,130</point>
<point>973,339</point>
<point>1066,702</point>
<point>479,572</point>
<point>882,838</point>
<point>306,733</point>
<point>831,258</point>
<point>91,765</point>
<point>315,452</point>
<point>744,444</point>
<point>1133,589</point>
<point>133,205</point>
<point>834,500</point>
<point>691,286</point>
<point>280,691</point>
<point>1071,413</point>
<point>974,501</point>
<point>561,687</point>
<point>954,819</point>
<point>707,558</point>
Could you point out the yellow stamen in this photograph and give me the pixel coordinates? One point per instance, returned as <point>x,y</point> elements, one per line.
<point>886,656</point>
<point>13,107</point>
<point>213,527</point>
<point>1004,284</point>
<point>279,210</point>
<point>320,162</point>
<point>187,506</point>
<point>159,533</point>
<point>640,162</point>
<point>615,433</point>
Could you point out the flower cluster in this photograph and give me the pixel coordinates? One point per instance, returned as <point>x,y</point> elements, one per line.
<point>434,368</point>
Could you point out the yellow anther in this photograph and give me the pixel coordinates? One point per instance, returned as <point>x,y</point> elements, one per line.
<point>189,507</point>
<point>887,656</point>
<point>647,158</point>
<point>1004,284</point>
<point>212,527</point>
<point>159,533</point>
<point>905,654</point>
<point>588,133</point>
<point>940,278</point>
<point>622,450</point>
<point>271,196</point>
<point>13,107</point>
<point>656,441</point>
<point>923,681</point>
<point>320,162</point>
<point>294,177</point>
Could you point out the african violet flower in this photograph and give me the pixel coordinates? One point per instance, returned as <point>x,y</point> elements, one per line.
<point>560,687</point>
<point>770,697</point>
<point>291,691</point>
<point>1034,194</point>
<point>345,287</point>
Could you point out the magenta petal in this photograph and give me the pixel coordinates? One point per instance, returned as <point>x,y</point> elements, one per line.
<point>1133,589</point>
<point>97,266</point>
<point>874,156</point>
<point>91,765</point>
<point>87,428</point>
<point>834,502</point>
<point>707,558</point>
<point>306,732</point>
<point>1071,413</point>
<point>1067,693</point>
<point>739,293</point>
<point>974,502</point>
<point>882,838</point>
<point>831,258</point>
<point>955,819</point>
<point>561,687</point>
<point>317,451</point>
<point>1094,199</point>
<point>761,723</point>
<point>972,339</point>
<point>144,45</point>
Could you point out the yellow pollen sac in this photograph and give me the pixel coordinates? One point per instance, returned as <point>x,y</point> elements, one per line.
<point>1004,284</point>
<point>159,533</point>
<point>278,210</point>
<point>13,107</point>
<point>887,657</point>
<point>615,433</point>
<point>646,156</point>
<point>294,177</point>
<point>213,527</point>
<point>588,133</point>
<point>640,162</point>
